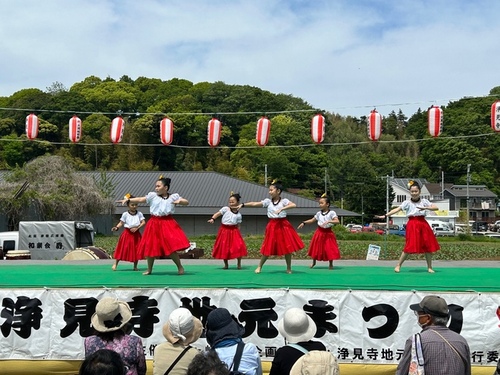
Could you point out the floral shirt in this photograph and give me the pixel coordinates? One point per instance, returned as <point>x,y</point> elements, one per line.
<point>129,347</point>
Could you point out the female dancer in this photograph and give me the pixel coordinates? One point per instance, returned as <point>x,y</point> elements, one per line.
<point>280,237</point>
<point>323,244</point>
<point>162,235</point>
<point>128,244</point>
<point>419,236</point>
<point>229,244</point>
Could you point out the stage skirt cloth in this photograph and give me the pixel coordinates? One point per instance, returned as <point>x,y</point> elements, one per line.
<point>323,245</point>
<point>127,248</point>
<point>419,236</point>
<point>280,238</point>
<point>162,236</point>
<point>229,244</point>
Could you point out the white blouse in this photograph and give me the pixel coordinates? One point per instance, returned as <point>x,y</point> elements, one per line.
<point>411,207</point>
<point>229,217</point>
<point>271,208</point>
<point>131,221</point>
<point>160,206</point>
<point>323,218</point>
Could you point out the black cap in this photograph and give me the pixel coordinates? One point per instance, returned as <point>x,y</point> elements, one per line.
<point>433,305</point>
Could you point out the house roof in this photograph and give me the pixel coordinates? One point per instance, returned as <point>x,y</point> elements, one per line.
<point>435,188</point>
<point>206,191</point>
<point>475,191</point>
<point>403,182</point>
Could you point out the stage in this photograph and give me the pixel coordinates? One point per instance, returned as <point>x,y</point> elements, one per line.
<point>352,292</point>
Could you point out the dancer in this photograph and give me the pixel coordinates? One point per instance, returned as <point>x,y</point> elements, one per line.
<point>128,244</point>
<point>323,244</point>
<point>229,244</point>
<point>280,238</point>
<point>419,236</point>
<point>162,236</point>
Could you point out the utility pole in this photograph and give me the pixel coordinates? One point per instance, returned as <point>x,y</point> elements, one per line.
<point>468,180</point>
<point>387,202</point>
<point>326,179</point>
<point>265,175</point>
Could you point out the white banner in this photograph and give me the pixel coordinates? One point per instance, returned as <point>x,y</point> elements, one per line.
<point>357,326</point>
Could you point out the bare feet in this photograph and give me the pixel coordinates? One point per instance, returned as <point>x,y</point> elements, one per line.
<point>113,267</point>
<point>225,267</point>
<point>330,267</point>
<point>238,266</point>
<point>430,270</point>
<point>312,264</point>
<point>136,269</point>
<point>258,269</point>
<point>148,272</point>
<point>288,271</point>
<point>397,268</point>
<point>180,271</point>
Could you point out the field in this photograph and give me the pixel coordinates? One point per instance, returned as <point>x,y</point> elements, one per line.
<point>355,246</point>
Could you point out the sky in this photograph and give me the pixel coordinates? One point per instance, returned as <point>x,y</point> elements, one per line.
<point>342,56</point>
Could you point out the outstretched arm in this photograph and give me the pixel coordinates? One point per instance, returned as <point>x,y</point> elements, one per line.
<point>391,212</point>
<point>214,216</point>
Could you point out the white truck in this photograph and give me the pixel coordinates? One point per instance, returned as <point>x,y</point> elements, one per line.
<point>48,240</point>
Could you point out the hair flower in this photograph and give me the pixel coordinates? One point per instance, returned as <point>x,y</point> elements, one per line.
<point>127,196</point>
<point>410,183</point>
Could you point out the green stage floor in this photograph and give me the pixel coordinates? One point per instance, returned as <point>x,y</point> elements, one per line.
<point>356,275</point>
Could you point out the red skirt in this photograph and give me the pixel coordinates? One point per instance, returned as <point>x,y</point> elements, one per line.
<point>162,236</point>
<point>419,237</point>
<point>128,246</point>
<point>323,245</point>
<point>229,244</point>
<point>280,238</point>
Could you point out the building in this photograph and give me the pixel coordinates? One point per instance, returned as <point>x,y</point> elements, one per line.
<point>206,192</point>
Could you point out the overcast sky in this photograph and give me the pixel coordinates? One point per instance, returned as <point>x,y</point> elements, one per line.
<point>343,56</point>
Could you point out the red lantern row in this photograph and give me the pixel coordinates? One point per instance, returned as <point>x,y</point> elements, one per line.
<point>374,127</point>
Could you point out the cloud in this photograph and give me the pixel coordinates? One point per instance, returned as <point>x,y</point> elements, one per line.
<point>342,56</point>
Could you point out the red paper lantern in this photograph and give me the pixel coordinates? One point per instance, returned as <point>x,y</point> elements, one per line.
<point>263,129</point>
<point>31,126</point>
<point>374,125</point>
<point>75,129</point>
<point>214,129</point>
<point>318,128</point>
<point>117,127</point>
<point>495,116</point>
<point>435,115</point>
<point>166,131</point>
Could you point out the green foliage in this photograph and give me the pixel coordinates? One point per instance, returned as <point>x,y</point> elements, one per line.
<point>354,167</point>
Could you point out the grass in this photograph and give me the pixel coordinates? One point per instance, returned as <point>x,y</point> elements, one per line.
<point>355,246</point>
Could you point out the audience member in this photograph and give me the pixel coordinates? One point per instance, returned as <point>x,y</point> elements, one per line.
<point>298,329</point>
<point>207,363</point>
<point>224,334</point>
<point>110,322</point>
<point>443,351</point>
<point>103,362</point>
<point>174,356</point>
<point>316,362</point>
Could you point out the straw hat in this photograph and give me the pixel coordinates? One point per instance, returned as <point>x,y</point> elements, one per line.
<point>297,326</point>
<point>183,327</point>
<point>316,362</point>
<point>110,315</point>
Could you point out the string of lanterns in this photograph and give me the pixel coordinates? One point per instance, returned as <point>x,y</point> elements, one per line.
<point>374,127</point>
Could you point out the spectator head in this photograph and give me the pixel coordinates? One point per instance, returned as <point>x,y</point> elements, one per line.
<point>182,327</point>
<point>296,326</point>
<point>110,315</point>
<point>207,363</point>
<point>316,362</point>
<point>103,362</point>
<point>222,326</point>
<point>433,307</point>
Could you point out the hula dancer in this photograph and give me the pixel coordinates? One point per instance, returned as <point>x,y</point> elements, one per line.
<point>229,244</point>
<point>280,237</point>
<point>127,247</point>
<point>323,244</point>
